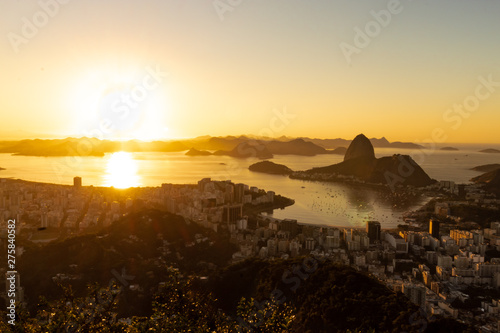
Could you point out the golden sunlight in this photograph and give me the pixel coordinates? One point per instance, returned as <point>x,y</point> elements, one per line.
<point>120,104</point>
<point>121,171</point>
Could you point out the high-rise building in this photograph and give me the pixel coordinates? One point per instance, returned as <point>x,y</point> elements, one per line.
<point>239,192</point>
<point>415,293</point>
<point>434,228</point>
<point>373,231</point>
<point>232,213</point>
<point>202,183</point>
<point>291,226</point>
<point>462,193</point>
<point>77,182</point>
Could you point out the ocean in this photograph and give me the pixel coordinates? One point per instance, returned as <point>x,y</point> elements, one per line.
<point>334,204</point>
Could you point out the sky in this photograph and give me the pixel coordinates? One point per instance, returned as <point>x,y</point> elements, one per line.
<point>161,69</point>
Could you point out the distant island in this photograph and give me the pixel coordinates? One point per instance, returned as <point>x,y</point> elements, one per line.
<point>490,151</point>
<point>239,147</point>
<point>196,152</point>
<point>449,148</point>
<point>486,167</point>
<point>2,168</point>
<point>270,167</point>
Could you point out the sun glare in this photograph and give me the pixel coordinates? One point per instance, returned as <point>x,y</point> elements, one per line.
<point>116,104</point>
<point>121,171</point>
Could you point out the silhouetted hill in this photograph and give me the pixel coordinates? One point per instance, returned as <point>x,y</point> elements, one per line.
<point>270,167</point>
<point>490,151</point>
<point>222,143</point>
<point>86,147</point>
<point>486,167</point>
<point>360,162</point>
<point>491,180</point>
<point>196,152</point>
<point>393,164</point>
<point>360,147</point>
<point>449,149</point>
<point>377,143</point>
<point>295,147</point>
<point>382,142</point>
<point>360,167</point>
<point>339,151</point>
<point>62,147</point>
<point>247,149</point>
<point>404,145</point>
<point>142,245</point>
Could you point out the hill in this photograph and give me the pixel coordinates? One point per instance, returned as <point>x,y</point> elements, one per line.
<point>449,149</point>
<point>377,143</point>
<point>196,152</point>
<point>133,245</point>
<point>247,149</point>
<point>98,147</point>
<point>360,147</point>
<point>270,167</point>
<point>339,151</point>
<point>490,151</point>
<point>295,147</point>
<point>360,162</point>
<point>491,180</point>
<point>486,167</point>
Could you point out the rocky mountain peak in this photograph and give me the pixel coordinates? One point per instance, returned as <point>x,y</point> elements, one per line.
<point>360,147</point>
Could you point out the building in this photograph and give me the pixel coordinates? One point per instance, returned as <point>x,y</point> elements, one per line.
<point>202,183</point>
<point>291,226</point>
<point>373,231</point>
<point>239,192</point>
<point>434,228</point>
<point>397,242</point>
<point>232,213</point>
<point>310,244</point>
<point>77,182</point>
<point>462,193</point>
<point>415,293</point>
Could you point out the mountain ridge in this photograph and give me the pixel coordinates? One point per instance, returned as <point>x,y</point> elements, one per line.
<point>85,146</point>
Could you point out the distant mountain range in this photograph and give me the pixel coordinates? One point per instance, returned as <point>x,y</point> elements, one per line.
<point>377,143</point>
<point>239,147</point>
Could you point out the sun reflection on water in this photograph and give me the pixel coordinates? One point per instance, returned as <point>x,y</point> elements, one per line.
<point>121,171</point>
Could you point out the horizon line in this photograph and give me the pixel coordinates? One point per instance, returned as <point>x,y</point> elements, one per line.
<point>250,136</point>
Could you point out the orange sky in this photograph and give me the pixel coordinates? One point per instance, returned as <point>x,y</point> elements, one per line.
<point>327,69</point>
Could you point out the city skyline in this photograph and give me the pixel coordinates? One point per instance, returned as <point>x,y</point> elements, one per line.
<point>166,70</point>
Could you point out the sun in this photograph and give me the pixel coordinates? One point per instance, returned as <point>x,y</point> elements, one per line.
<point>121,171</point>
<point>120,103</point>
